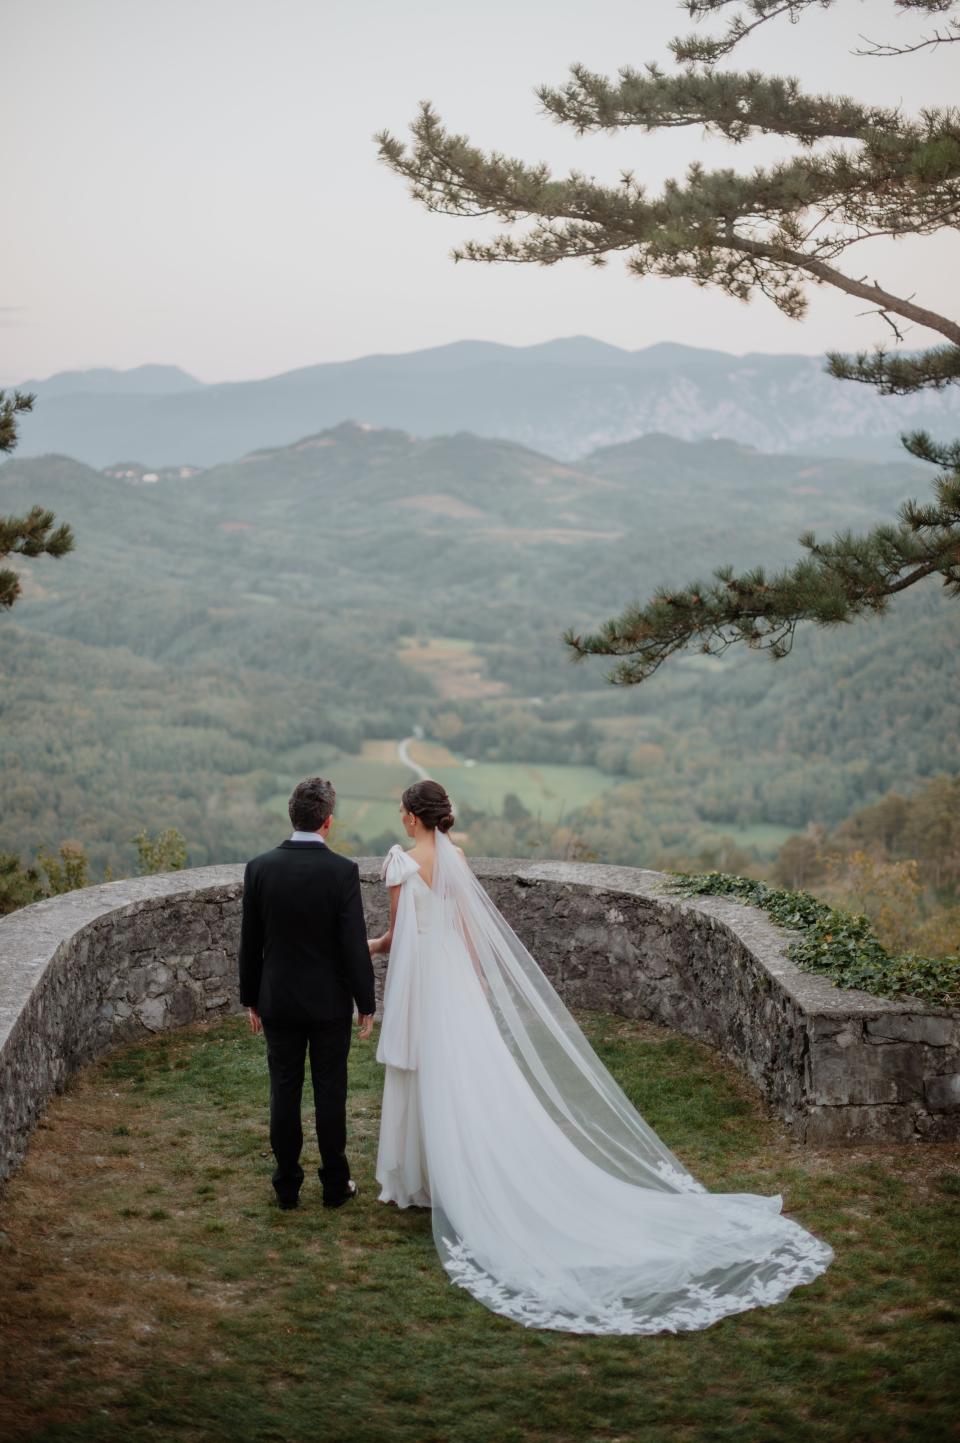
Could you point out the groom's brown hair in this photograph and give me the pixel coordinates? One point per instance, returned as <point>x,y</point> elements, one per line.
<point>311,802</point>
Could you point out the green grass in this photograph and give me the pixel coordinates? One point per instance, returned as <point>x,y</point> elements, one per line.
<point>366,819</point>
<point>368,790</point>
<point>766,837</point>
<point>368,795</point>
<point>549,791</point>
<point>149,1290</point>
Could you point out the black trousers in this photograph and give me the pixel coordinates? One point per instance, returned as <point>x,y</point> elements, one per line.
<point>329,1045</point>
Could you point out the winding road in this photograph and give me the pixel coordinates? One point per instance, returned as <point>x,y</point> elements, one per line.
<point>403,752</point>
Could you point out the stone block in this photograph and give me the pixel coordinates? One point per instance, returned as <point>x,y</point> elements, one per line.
<point>134,985</point>
<point>160,979</point>
<point>855,1073</point>
<point>943,1093</point>
<point>152,1013</point>
<point>185,1005</point>
<point>938,1126</point>
<point>857,1124</point>
<point>214,963</point>
<point>914,1027</point>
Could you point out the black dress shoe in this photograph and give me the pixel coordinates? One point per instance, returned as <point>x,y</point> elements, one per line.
<point>352,1192</point>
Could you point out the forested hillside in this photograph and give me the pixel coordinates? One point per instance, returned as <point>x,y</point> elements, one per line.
<point>214,637</point>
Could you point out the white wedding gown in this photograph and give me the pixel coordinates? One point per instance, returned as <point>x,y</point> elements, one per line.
<point>553,1202</point>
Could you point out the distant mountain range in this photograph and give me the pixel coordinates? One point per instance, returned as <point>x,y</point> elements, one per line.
<point>102,381</point>
<point>565,398</point>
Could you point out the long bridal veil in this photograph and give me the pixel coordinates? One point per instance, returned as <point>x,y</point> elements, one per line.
<point>553,1201</point>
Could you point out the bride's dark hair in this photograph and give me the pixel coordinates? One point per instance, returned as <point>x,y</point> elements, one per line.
<point>429,801</point>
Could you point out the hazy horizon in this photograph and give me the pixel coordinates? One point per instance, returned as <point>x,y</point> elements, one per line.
<point>405,351</point>
<point>198,185</point>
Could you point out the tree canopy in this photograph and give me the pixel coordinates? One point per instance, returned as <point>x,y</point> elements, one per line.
<point>856,172</point>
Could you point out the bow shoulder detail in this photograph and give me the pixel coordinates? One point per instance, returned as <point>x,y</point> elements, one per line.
<point>398,865</point>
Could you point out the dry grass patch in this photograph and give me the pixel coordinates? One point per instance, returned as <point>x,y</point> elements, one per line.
<point>454,667</point>
<point>439,503</point>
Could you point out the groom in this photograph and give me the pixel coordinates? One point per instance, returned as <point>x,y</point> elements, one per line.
<point>304,961</point>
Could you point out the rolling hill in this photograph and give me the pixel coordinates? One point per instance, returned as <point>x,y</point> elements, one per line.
<point>213,637</point>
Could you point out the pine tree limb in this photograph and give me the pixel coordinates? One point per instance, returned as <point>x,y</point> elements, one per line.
<point>767,231</point>
<point>885,50</point>
<point>12,406</point>
<point>732,104</point>
<point>834,584</point>
<point>898,375</point>
<point>33,534</point>
<point>707,50</point>
<point>772,232</point>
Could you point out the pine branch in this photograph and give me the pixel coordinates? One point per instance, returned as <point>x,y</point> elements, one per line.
<point>740,233</point>
<point>703,50</point>
<point>31,535</point>
<point>922,445</point>
<point>939,37</point>
<point>12,406</point>
<point>771,232</point>
<point>821,271</point>
<point>706,50</point>
<point>898,375</point>
<point>837,582</point>
<point>731,104</point>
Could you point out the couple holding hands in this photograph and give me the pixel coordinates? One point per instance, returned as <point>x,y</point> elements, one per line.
<point>552,1201</point>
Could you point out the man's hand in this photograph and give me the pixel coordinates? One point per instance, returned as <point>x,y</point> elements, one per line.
<point>365,1023</point>
<point>255,1024</point>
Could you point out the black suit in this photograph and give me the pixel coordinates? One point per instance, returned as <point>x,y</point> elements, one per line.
<point>304,962</point>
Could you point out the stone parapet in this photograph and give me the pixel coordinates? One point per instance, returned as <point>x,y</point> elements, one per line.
<point>81,972</point>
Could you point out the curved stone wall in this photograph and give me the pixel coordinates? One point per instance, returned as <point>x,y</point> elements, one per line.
<point>110,963</point>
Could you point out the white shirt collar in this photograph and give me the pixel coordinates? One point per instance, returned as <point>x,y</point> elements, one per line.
<point>307,837</point>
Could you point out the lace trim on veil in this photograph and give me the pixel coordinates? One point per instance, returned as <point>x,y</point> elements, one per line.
<point>697,1305</point>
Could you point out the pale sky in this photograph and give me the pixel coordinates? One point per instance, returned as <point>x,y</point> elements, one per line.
<point>194,181</point>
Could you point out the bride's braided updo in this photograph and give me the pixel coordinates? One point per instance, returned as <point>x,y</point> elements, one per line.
<point>429,801</point>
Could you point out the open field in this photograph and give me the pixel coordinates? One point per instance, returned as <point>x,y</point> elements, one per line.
<point>149,1289</point>
<point>548,791</point>
<point>766,837</point>
<point>454,667</point>
<point>369,786</point>
<point>368,790</point>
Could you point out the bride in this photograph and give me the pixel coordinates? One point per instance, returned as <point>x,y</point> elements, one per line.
<point>553,1202</point>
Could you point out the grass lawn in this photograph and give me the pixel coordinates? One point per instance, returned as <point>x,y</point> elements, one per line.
<point>551,791</point>
<point>766,837</point>
<point>149,1290</point>
<point>369,787</point>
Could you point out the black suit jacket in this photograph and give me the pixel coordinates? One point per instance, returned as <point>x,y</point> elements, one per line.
<point>303,942</point>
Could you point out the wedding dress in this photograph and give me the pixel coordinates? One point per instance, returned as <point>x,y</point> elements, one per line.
<point>553,1202</point>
